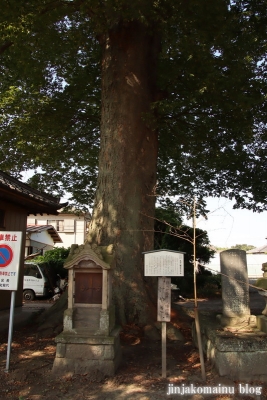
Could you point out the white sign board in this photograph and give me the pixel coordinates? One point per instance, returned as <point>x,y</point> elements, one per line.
<point>10,246</point>
<point>164,263</point>
<point>164,299</point>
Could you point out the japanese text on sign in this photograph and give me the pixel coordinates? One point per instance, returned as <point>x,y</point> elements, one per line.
<point>7,237</point>
<point>164,263</point>
<point>10,249</point>
<point>164,299</point>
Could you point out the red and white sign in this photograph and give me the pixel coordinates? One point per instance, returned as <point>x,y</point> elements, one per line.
<point>10,247</point>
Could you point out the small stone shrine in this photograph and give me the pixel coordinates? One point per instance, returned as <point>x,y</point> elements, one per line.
<point>90,341</point>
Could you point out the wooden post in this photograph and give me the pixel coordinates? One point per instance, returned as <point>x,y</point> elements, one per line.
<point>164,356</point>
<point>164,315</point>
<point>203,373</point>
<point>200,348</point>
<point>164,264</point>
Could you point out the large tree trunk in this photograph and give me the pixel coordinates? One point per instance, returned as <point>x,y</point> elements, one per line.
<point>127,166</point>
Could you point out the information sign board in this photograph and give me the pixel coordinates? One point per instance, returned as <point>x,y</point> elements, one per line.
<point>10,247</point>
<point>164,263</point>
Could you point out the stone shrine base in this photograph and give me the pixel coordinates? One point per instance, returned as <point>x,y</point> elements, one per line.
<point>262,323</point>
<point>79,353</point>
<point>236,352</point>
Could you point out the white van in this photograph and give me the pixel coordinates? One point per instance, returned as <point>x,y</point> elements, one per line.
<point>35,281</point>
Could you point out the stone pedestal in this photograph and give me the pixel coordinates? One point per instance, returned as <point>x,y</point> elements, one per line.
<point>264,294</point>
<point>90,341</point>
<point>238,354</point>
<point>262,284</point>
<point>235,342</point>
<point>262,323</point>
<point>80,353</point>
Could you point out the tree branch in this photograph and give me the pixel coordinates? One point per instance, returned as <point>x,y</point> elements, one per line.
<point>5,46</point>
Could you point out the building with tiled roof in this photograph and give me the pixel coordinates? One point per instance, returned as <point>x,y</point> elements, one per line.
<point>17,201</point>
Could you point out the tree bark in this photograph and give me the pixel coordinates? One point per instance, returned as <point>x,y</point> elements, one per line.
<point>127,166</point>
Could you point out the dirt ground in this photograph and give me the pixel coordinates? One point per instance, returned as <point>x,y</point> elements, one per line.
<point>139,377</point>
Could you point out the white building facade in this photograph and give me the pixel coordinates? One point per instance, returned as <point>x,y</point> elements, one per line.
<point>40,238</point>
<point>71,228</point>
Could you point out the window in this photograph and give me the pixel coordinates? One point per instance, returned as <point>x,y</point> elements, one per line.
<point>57,224</point>
<point>32,270</point>
<point>29,250</point>
<point>69,225</point>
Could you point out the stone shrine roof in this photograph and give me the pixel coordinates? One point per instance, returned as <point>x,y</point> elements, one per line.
<point>85,252</point>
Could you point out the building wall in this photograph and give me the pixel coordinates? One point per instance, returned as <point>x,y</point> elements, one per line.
<point>70,227</point>
<point>39,241</point>
<point>254,264</point>
<point>15,219</point>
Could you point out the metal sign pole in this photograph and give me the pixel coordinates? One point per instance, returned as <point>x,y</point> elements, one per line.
<point>10,256</point>
<point>10,330</point>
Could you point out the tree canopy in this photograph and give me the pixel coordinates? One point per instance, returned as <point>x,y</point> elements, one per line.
<point>209,103</point>
<point>171,233</point>
<point>245,247</point>
<point>54,260</point>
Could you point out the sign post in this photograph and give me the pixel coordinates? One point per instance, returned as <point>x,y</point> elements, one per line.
<point>164,314</point>
<point>10,329</point>
<point>163,263</point>
<point>10,248</point>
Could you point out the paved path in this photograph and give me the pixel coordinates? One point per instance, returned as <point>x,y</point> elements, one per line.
<point>22,314</point>
<point>256,302</point>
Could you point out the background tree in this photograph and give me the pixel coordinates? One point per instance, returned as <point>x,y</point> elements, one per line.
<point>54,260</point>
<point>219,249</point>
<point>172,234</point>
<point>245,247</point>
<point>178,92</point>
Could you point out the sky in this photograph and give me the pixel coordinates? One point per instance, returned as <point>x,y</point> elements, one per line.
<point>227,227</point>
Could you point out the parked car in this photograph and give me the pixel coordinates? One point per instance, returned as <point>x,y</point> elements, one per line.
<point>36,281</point>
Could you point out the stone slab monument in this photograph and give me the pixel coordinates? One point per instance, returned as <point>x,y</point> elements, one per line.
<point>90,340</point>
<point>235,342</point>
<point>235,289</point>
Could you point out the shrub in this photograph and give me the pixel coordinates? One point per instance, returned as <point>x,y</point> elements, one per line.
<point>54,259</point>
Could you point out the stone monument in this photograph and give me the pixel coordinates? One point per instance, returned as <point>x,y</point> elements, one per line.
<point>235,342</point>
<point>235,289</point>
<point>90,341</point>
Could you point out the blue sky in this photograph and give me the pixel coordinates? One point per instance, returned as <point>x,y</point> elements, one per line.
<point>227,227</point>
